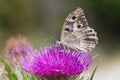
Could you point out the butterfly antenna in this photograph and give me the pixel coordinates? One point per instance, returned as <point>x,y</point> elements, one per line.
<point>99,60</point>
<point>95,56</point>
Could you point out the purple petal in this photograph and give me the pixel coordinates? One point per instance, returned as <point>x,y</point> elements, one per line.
<point>56,60</point>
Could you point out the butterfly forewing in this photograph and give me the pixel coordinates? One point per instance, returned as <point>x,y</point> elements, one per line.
<point>76,33</point>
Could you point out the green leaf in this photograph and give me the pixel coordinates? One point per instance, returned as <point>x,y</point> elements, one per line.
<point>33,77</point>
<point>7,67</point>
<point>25,75</point>
<point>93,73</point>
<point>10,73</point>
<point>81,78</point>
<point>88,78</point>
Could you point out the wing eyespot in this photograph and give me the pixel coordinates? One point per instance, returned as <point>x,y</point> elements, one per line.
<point>76,34</point>
<point>79,26</point>
<point>67,29</point>
<point>74,17</point>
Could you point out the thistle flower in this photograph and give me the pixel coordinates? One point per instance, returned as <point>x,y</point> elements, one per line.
<point>56,63</point>
<point>17,47</point>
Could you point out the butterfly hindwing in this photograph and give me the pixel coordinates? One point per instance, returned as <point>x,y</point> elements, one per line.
<point>76,33</point>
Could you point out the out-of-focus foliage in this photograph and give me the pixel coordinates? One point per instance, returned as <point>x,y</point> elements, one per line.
<point>12,74</point>
<point>93,73</point>
<point>107,13</point>
<point>42,20</point>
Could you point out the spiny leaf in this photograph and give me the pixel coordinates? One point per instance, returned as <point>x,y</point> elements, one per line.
<point>93,73</point>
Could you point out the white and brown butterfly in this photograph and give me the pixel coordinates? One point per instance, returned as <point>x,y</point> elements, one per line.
<point>76,33</point>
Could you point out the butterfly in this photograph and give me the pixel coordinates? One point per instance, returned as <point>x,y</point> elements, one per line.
<point>76,33</point>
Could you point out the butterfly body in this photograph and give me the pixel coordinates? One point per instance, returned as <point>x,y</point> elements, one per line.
<point>76,33</point>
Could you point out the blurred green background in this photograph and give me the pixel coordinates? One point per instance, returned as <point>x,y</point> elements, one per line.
<point>41,21</point>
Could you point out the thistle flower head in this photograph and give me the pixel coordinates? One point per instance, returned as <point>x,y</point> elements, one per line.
<point>56,63</point>
<point>17,47</point>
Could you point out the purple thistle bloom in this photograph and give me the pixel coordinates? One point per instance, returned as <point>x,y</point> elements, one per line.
<point>56,62</point>
<point>16,47</point>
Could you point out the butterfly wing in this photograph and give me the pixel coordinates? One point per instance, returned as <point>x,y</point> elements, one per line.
<point>76,33</point>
